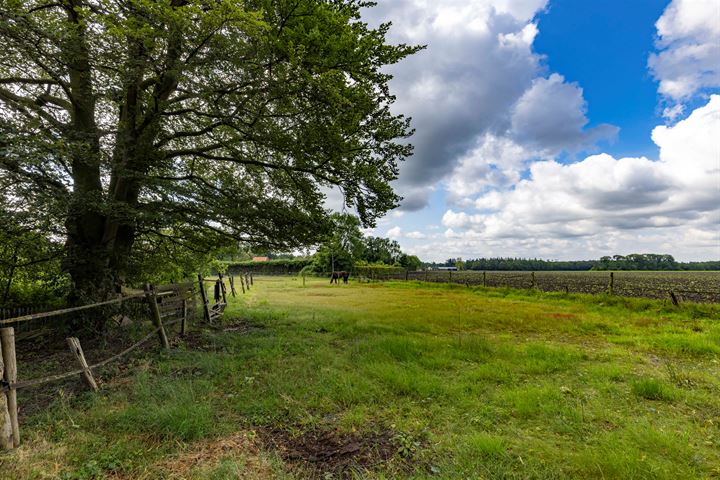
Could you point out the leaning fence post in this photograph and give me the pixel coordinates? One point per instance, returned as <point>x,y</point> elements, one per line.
<point>76,349</point>
<point>242,283</point>
<point>155,313</point>
<point>9,375</point>
<point>252,281</point>
<point>203,295</point>
<point>674,299</point>
<point>231,279</point>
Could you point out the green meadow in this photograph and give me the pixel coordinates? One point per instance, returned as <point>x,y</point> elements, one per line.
<point>402,380</point>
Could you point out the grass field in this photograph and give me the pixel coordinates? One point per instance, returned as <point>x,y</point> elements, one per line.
<point>403,380</point>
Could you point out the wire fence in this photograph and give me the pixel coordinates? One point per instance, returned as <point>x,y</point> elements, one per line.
<point>700,287</point>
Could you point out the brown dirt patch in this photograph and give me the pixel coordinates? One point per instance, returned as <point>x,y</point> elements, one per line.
<point>319,452</point>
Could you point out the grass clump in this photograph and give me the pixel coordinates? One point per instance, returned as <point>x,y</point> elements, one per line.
<point>653,389</point>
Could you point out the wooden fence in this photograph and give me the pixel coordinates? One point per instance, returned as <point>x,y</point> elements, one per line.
<point>167,305</point>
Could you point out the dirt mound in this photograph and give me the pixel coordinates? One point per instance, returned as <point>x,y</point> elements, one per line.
<point>317,453</point>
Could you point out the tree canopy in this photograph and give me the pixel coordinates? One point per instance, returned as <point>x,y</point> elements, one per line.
<point>137,124</point>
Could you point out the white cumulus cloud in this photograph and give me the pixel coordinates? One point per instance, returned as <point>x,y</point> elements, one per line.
<point>689,42</point>
<point>608,204</point>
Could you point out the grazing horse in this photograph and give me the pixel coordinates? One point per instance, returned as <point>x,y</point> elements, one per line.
<point>338,275</point>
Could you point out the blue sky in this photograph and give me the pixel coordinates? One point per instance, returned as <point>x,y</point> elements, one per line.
<point>606,54</point>
<point>557,128</point>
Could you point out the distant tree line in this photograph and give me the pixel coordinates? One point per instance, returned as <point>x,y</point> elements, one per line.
<point>635,261</point>
<point>651,261</point>
<point>517,264</point>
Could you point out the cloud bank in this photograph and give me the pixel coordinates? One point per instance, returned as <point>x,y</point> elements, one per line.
<point>499,135</point>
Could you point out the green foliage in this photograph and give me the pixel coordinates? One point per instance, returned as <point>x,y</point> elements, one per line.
<point>378,270</point>
<point>410,262</point>
<point>30,270</point>
<point>343,247</point>
<point>651,261</point>
<point>143,123</point>
<point>278,266</point>
<point>381,250</point>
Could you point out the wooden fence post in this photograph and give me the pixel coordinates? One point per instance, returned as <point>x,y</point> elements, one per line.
<point>216,293</point>
<point>247,280</point>
<point>674,299</point>
<point>76,349</point>
<point>252,281</point>
<point>155,314</point>
<point>484,279</point>
<point>532,279</point>
<point>222,288</point>
<point>183,323</point>
<point>449,276</point>
<point>611,284</point>
<point>9,375</point>
<point>6,436</point>
<point>203,295</point>
<point>407,272</point>
<point>231,279</point>
<point>242,283</point>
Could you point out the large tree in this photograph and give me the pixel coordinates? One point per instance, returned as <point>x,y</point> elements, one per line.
<point>189,122</point>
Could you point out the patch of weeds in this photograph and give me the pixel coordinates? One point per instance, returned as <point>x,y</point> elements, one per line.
<point>542,358</point>
<point>653,389</point>
<point>532,401</point>
<point>473,348</point>
<point>167,409</point>
<point>485,445</point>
<point>689,343</point>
